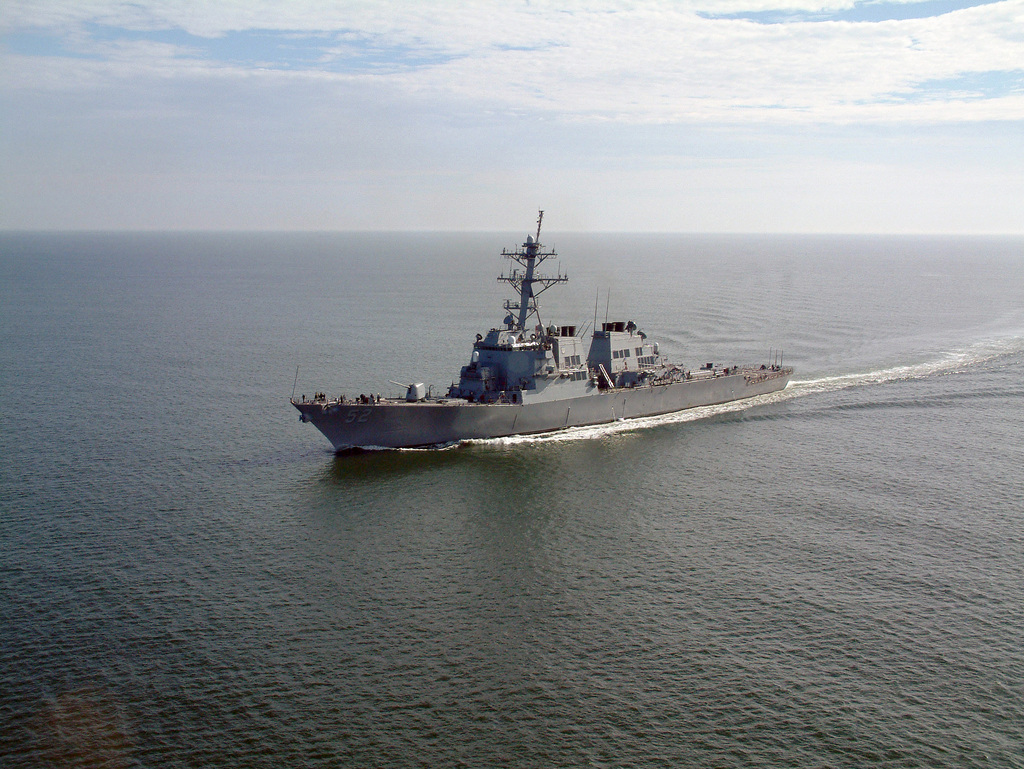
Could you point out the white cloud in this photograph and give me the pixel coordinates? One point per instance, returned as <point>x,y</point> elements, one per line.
<point>633,62</point>
<point>429,114</point>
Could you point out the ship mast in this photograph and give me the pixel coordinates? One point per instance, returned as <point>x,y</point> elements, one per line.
<point>527,282</point>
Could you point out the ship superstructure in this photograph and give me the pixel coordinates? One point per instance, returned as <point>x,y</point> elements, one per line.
<point>524,377</point>
<point>523,359</point>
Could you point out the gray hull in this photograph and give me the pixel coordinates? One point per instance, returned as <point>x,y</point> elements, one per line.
<point>398,424</point>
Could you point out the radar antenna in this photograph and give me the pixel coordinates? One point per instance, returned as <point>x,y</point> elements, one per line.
<point>527,283</point>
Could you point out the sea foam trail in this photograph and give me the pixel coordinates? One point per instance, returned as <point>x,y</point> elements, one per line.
<point>948,362</point>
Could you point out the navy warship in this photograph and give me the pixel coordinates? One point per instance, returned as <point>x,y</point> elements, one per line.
<point>524,378</point>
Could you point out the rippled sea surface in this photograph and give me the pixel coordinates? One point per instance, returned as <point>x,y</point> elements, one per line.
<point>829,576</point>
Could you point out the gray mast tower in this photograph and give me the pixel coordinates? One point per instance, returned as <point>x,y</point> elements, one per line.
<point>525,281</point>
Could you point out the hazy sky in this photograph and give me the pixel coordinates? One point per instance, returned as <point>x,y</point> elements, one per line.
<point>695,115</point>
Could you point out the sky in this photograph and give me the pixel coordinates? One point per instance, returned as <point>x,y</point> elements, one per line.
<point>852,116</point>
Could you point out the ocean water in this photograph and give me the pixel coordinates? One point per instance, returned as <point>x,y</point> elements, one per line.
<point>831,576</point>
